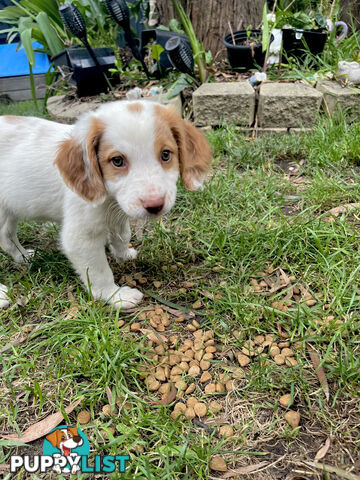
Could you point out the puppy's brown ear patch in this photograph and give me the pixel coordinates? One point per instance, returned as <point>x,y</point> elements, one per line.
<point>135,107</point>
<point>195,159</point>
<point>54,438</point>
<point>13,119</point>
<point>194,150</point>
<point>80,169</point>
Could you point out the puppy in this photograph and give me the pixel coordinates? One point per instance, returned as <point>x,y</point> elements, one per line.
<point>65,439</point>
<point>121,161</point>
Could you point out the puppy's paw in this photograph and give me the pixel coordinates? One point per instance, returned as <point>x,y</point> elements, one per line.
<point>4,299</point>
<point>25,256</point>
<point>127,297</point>
<point>123,255</point>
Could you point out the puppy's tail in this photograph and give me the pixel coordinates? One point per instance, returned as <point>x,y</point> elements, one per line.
<point>4,299</point>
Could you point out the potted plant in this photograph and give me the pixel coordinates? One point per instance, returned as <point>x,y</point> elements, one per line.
<point>302,32</point>
<point>244,49</point>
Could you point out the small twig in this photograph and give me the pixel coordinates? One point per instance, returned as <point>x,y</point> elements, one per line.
<point>290,4</point>
<point>232,33</point>
<point>18,341</point>
<point>166,302</point>
<point>330,469</point>
<point>332,8</point>
<point>208,429</point>
<point>274,7</point>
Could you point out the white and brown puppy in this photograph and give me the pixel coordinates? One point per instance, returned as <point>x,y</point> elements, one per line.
<point>121,161</point>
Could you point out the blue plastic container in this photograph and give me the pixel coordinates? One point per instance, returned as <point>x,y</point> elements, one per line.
<point>14,63</point>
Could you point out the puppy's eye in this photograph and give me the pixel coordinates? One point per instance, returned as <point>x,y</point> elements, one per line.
<point>165,155</point>
<point>118,162</point>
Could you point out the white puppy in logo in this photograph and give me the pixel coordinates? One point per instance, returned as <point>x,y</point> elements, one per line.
<point>66,439</point>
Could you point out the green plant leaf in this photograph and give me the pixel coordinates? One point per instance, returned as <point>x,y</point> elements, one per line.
<point>178,86</point>
<point>266,32</point>
<point>156,51</point>
<point>26,40</point>
<point>52,40</point>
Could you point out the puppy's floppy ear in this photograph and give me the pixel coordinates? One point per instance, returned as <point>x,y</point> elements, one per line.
<point>78,162</point>
<point>195,157</point>
<point>194,150</point>
<point>54,437</point>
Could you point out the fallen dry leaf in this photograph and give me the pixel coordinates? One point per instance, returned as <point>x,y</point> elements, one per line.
<point>109,395</point>
<point>319,370</point>
<point>330,469</point>
<point>245,470</point>
<point>167,400</point>
<point>19,340</point>
<point>154,336</point>
<point>323,450</point>
<point>335,212</point>
<point>178,313</point>
<point>39,429</point>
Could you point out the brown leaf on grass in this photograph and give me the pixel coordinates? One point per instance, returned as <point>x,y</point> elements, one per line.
<point>109,395</point>
<point>216,421</point>
<point>335,212</point>
<point>178,313</point>
<point>323,450</point>
<point>290,291</point>
<point>245,470</point>
<point>168,399</point>
<point>330,469</point>
<point>19,340</point>
<point>319,370</point>
<point>154,336</point>
<point>39,429</point>
<point>281,333</point>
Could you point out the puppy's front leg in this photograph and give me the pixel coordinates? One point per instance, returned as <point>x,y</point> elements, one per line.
<point>119,239</point>
<point>86,251</point>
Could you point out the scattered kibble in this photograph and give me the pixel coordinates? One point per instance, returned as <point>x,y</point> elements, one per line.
<point>226,431</point>
<point>106,410</point>
<point>218,464</point>
<point>292,418</point>
<point>83,417</point>
<point>285,400</point>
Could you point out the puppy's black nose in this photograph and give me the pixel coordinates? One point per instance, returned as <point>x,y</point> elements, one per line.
<point>77,439</point>
<point>154,205</point>
<point>155,209</point>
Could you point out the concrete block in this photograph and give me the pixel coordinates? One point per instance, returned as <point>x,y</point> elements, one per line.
<point>218,103</point>
<point>64,111</point>
<point>18,88</point>
<point>335,96</point>
<point>288,105</point>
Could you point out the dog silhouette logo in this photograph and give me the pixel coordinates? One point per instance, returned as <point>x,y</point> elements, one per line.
<point>67,445</point>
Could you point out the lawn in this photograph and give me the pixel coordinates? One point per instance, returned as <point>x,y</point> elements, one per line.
<point>259,269</point>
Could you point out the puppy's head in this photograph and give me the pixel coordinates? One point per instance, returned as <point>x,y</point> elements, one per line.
<point>134,152</point>
<point>65,437</point>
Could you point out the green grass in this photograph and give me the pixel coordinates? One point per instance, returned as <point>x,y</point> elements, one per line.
<point>237,223</point>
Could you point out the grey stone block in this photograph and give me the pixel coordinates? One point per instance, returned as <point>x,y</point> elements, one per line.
<point>19,88</point>
<point>64,111</point>
<point>335,96</point>
<point>287,105</point>
<point>68,112</point>
<point>218,103</point>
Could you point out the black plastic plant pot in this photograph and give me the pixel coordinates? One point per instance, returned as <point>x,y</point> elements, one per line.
<point>88,78</point>
<point>160,37</point>
<point>297,42</point>
<point>246,53</point>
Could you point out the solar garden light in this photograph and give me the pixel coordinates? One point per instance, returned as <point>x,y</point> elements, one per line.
<point>121,14</point>
<point>180,55</point>
<point>75,23</point>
